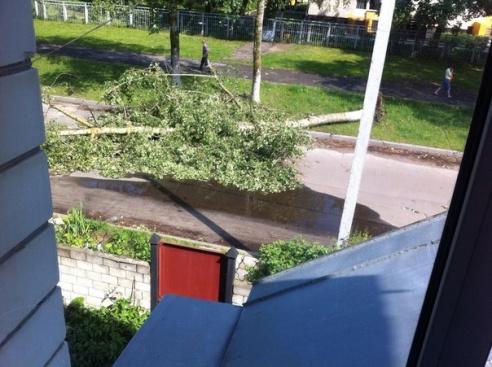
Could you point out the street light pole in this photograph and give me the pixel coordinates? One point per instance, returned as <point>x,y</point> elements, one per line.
<point>370,100</point>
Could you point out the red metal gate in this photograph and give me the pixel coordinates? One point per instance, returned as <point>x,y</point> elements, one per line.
<point>191,271</point>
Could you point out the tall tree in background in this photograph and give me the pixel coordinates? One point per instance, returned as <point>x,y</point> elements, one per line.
<point>438,14</point>
<point>172,6</point>
<point>255,89</point>
<point>174,39</point>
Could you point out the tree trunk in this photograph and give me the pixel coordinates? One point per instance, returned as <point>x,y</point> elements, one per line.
<point>255,89</point>
<point>174,38</point>
<point>244,6</point>
<point>326,119</point>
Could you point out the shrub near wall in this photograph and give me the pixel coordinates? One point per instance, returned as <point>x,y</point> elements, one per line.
<point>101,345</point>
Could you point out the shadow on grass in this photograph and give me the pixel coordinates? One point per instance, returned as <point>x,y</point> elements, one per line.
<point>98,42</point>
<point>71,76</point>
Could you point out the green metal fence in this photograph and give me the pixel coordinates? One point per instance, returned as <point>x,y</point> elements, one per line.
<point>449,48</point>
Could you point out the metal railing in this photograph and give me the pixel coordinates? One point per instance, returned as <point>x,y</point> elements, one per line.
<point>336,35</point>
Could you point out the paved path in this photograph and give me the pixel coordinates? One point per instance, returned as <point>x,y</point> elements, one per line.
<point>418,90</point>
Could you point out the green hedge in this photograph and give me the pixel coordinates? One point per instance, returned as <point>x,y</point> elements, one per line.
<point>96,337</point>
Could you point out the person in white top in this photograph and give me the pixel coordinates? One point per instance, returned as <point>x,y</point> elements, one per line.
<point>446,83</point>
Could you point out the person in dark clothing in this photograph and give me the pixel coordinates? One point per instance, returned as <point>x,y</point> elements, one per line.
<point>204,61</point>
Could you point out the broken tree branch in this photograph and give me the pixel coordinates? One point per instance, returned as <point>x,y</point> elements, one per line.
<point>116,130</point>
<point>72,116</point>
<point>327,119</point>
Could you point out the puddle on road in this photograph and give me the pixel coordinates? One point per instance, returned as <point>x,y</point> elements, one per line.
<point>127,187</point>
<point>305,210</point>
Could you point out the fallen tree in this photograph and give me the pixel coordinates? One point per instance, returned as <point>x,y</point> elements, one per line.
<point>163,131</point>
<point>196,133</point>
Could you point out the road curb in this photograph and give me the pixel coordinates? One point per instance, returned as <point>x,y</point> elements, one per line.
<point>84,103</point>
<point>388,144</point>
<point>96,106</point>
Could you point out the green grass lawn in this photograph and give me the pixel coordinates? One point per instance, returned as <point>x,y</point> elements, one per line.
<point>420,123</point>
<point>429,124</point>
<point>312,59</point>
<point>129,39</point>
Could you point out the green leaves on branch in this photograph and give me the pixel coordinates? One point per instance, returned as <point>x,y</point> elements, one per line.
<point>209,138</point>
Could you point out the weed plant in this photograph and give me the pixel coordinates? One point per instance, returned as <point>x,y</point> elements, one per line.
<point>79,231</point>
<point>97,336</point>
<point>282,255</point>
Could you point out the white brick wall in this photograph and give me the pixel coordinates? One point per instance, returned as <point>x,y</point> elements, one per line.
<point>94,275</point>
<point>32,326</point>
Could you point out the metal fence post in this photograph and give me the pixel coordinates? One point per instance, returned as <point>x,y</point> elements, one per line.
<point>203,24</point>
<point>154,270</point>
<point>356,36</point>
<point>36,8</point>
<point>328,35</point>
<point>64,12</point>
<point>414,43</point>
<point>230,256</point>
<point>86,14</point>
<point>473,51</point>
<point>274,28</point>
<point>44,11</point>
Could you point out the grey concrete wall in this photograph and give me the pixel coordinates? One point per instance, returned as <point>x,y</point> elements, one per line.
<point>32,327</point>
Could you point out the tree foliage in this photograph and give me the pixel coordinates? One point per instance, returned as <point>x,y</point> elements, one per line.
<point>208,138</point>
<point>439,13</point>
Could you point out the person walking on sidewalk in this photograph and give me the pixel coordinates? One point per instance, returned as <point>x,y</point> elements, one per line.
<point>446,83</point>
<point>204,61</point>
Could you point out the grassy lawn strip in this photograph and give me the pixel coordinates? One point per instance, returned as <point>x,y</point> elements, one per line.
<point>421,123</point>
<point>311,59</point>
<point>428,124</point>
<point>68,76</point>
<point>132,40</point>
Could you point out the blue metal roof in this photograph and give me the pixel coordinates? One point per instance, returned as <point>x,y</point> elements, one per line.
<point>182,332</point>
<point>358,307</point>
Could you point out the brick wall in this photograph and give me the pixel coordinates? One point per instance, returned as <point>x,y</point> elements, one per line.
<point>32,327</point>
<point>95,275</point>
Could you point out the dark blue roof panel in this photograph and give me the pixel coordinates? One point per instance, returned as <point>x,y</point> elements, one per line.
<point>358,307</point>
<point>364,316</point>
<point>182,332</point>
